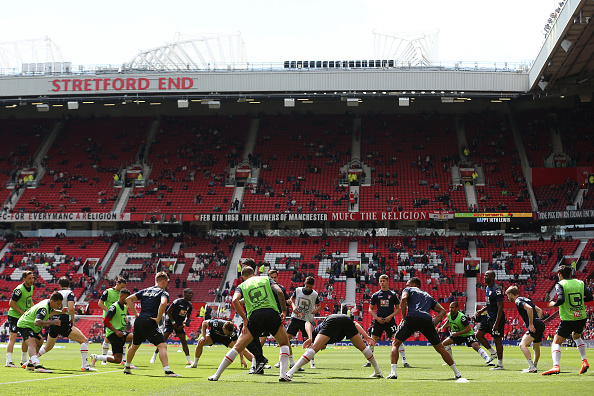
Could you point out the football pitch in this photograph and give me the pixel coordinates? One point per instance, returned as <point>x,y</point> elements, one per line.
<point>338,371</point>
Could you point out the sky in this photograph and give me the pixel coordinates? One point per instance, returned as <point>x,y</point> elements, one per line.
<point>113,32</point>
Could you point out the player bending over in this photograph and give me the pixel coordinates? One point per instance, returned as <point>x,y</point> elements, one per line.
<point>178,317</point>
<point>416,306</point>
<point>217,331</point>
<point>461,332</point>
<point>115,331</point>
<point>33,321</point>
<point>536,327</point>
<point>66,327</point>
<point>334,329</point>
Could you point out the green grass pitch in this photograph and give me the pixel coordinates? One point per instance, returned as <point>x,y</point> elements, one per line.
<point>338,372</point>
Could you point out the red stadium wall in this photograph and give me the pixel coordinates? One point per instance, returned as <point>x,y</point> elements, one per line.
<point>548,176</point>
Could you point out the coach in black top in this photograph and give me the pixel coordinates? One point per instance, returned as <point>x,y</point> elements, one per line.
<point>416,306</point>
<point>153,302</point>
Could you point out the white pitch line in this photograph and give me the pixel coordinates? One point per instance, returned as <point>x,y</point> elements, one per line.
<point>51,378</point>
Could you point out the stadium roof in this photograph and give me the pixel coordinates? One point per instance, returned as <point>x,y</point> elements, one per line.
<point>565,64</point>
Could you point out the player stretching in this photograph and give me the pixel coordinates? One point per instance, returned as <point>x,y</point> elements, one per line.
<point>571,296</point>
<point>153,302</point>
<point>178,316</point>
<point>388,306</point>
<point>66,327</point>
<point>217,331</point>
<point>334,329</point>
<point>416,306</point>
<point>462,333</point>
<point>20,301</point>
<point>115,330</point>
<point>262,315</point>
<point>31,324</point>
<point>305,304</point>
<point>106,300</point>
<point>536,327</point>
<point>495,321</point>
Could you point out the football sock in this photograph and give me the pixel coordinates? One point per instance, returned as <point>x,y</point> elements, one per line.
<point>449,349</point>
<point>581,347</point>
<point>253,362</point>
<point>291,360</point>
<point>25,356</point>
<point>530,364</point>
<point>8,357</point>
<point>35,360</point>
<point>306,357</point>
<point>402,353</point>
<point>393,368</point>
<point>227,360</point>
<point>155,356</point>
<point>188,358</point>
<point>556,354</point>
<point>166,368</point>
<point>369,356</point>
<point>284,359</point>
<point>84,354</point>
<point>492,351</point>
<point>372,347</point>
<point>454,369</point>
<point>500,362</point>
<point>101,358</point>
<point>123,355</point>
<point>41,352</point>
<point>483,354</point>
<point>104,348</point>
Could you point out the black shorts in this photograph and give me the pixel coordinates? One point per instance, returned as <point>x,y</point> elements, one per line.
<point>169,328</point>
<point>540,328</point>
<point>12,323</point>
<point>117,343</point>
<point>63,329</point>
<point>389,328</point>
<point>264,320</point>
<point>571,326</point>
<point>146,329</point>
<point>295,326</point>
<point>486,326</point>
<point>217,339</point>
<point>26,332</point>
<point>338,328</point>
<point>425,326</point>
<point>468,340</point>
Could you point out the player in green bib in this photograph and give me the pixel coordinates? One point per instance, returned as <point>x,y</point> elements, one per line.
<point>33,321</point>
<point>571,296</point>
<point>106,300</point>
<point>116,330</point>
<point>262,316</point>
<point>461,332</point>
<point>20,301</point>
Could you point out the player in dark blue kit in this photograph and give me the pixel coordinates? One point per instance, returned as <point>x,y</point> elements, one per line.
<point>388,306</point>
<point>494,323</point>
<point>531,315</point>
<point>178,317</point>
<point>416,306</point>
<point>153,302</point>
<point>216,331</point>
